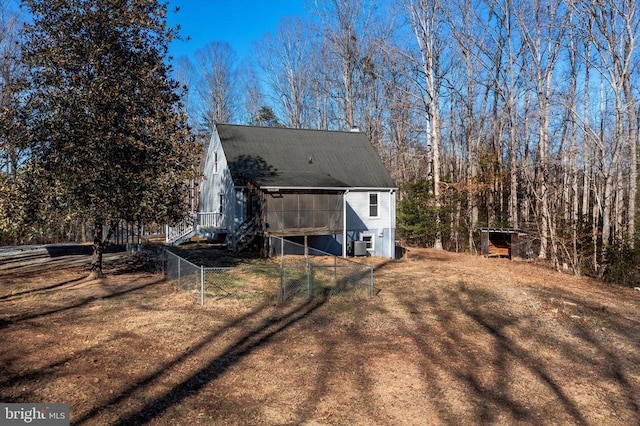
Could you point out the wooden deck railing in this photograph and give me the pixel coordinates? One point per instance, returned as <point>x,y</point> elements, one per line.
<point>174,233</point>
<point>191,224</point>
<point>209,219</point>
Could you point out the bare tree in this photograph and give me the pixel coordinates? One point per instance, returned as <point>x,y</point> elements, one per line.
<point>10,148</point>
<point>542,24</point>
<point>285,60</point>
<point>613,26</point>
<point>347,28</point>
<point>482,33</point>
<point>403,156</point>
<point>216,86</point>
<point>425,17</point>
<point>186,73</point>
<point>572,206</point>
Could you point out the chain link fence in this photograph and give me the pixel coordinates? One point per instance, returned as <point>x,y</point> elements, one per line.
<point>290,271</point>
<point>249,283</point>
<point>184,274</point>
<point>314,271</point>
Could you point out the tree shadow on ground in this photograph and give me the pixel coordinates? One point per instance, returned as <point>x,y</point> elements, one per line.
<point>5,322</point>
<point>8,259</point>
<point>20,267</point>
<point>49,370</point>
<point>232,355</point>
<point>478,357</point>
<point>508,365</point>
<point>42,290</point>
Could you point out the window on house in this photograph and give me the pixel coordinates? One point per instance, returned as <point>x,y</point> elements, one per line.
<point>368,238</point>
<point>215,162</point>
<point>373,204</point>
<point>221,203</point>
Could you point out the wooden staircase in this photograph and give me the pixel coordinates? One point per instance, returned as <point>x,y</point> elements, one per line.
<point>246,234</point>
<point>200,223</point>
<point>176,235</point>
<point>205,224</point>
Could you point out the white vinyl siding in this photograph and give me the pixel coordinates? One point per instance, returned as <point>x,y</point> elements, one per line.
<point>377,231</point>
<point>216,195</point>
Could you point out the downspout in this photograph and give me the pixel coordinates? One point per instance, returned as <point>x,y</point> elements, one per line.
<point>344,224</point>
<point>392,213</point>
<point>392,220</point>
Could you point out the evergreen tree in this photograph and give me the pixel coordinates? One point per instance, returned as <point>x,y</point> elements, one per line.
<point>417,214</point>
<point>108,140</point>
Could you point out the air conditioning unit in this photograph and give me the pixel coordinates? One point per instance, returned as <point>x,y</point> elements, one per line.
<point>359,248</point>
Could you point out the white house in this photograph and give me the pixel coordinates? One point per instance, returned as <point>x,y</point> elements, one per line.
<point>327,188</point>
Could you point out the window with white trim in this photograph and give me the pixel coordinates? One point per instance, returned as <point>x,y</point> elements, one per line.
<point>215,162</point>
<point>369,239</point>
<point>221,203</point>
<point>374,207</point>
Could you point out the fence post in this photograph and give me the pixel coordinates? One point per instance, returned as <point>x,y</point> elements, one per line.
<point>282,279</point>
<point>179,260</point>
<point>371,281</point>
<point>202,285</point>
<point>163,260</point>
<point>309,279</point>
<point>282,249</point>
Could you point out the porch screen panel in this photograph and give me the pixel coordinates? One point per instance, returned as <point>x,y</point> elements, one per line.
<point>305,212</point>
<point>321,208</point>
<point>275,207</point>
<point>290,211</point>
<point>335,210</point>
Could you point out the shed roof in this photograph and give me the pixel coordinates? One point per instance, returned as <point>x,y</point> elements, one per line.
<point>280,158</point>
<point>502,230</point>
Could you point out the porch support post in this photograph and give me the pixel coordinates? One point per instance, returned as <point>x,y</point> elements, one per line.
<point>344,223</point>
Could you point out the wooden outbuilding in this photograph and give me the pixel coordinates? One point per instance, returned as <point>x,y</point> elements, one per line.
<point>501,242</point>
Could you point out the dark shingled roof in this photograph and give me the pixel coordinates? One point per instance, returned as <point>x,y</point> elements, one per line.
<point>277,157</point>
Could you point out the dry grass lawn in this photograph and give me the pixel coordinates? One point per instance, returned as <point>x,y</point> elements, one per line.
<point>448,339</point>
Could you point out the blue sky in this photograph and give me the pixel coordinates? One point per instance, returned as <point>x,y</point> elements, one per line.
<point>238,22</point>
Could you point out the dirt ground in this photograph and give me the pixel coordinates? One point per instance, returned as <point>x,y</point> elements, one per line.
<point>448,339</point>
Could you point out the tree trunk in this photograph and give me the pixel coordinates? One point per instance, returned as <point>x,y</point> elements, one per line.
<point>632,120</point>
<point>424,22</point>
<point>587,166</point>
<point>98,250</point>
<point>595,218</point>
<point>513,170</point>
<point>542,186</point>
<point>435,141</point>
